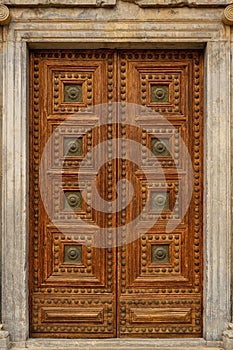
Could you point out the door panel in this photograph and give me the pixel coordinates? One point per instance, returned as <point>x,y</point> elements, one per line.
<point>160,273</point>
<point>73,282</point>
<point>97,270</point>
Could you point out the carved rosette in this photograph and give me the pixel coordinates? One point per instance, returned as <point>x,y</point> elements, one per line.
<point>4,15</point>
<point>228,15</point>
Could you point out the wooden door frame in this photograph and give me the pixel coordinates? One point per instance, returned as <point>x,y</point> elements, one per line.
<point>217,189</point>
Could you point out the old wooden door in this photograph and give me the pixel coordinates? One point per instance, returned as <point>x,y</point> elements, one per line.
<point>116,193</point>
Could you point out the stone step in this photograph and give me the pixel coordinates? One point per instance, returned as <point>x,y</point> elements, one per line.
<point>118,344</point>
<point>116,347</point>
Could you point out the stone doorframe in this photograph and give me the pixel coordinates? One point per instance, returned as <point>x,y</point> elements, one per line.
<point>118,28</point>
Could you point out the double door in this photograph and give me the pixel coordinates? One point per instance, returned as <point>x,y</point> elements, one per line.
<point>115,246</point>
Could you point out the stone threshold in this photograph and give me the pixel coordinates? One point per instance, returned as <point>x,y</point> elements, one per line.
<point>121,344</point>
<point>110,346</point>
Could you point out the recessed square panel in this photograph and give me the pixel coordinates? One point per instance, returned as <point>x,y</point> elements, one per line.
<point>160,201</point>
<point>72,90</point>
<point>160,254</point>
<point>159,147</point>
<point>73,147</point>
<point>159,93</point>
<point>73,254</point>
<point>73,93</point>
<point>72,200</point>
<point>161,89</point>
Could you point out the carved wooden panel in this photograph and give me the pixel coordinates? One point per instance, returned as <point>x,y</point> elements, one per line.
<point>72,279</point>
<point>160,271</point>
<point>101,271</point>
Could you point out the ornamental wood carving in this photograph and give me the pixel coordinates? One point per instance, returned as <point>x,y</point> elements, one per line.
<point>147,286</point>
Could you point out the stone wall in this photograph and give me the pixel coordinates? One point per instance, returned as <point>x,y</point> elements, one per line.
<point>116,24</point>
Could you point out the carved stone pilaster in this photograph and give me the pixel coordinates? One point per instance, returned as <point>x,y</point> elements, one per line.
<point>4,15</point>
<point>228,337</point>
<point>4,339</point>
<point>228,15</point>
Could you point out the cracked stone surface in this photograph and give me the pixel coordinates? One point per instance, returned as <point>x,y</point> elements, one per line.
<point>143,3</point>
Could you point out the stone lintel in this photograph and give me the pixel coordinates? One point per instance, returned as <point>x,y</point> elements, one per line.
<point>59,3</point>
<point>111,3</point>
<point>181,3</point>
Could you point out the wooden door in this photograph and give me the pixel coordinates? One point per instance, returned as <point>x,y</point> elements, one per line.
<point>106,258</point>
